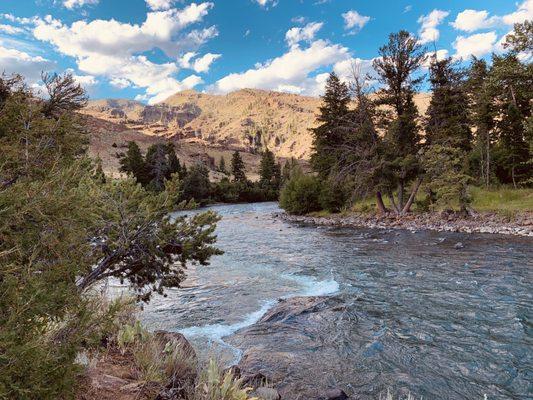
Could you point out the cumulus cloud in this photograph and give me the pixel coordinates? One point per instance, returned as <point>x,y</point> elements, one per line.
<point>201,64</point>
<point>439,55</point>
<point>120,83</point>
<point>17,61</point>
<point>159,4</point>
<point>472,20</point>
<point>116,50</point>
<point>299,34</point>
<point>523,13</point>
<point>428,30</point>
<point>289,72</point>
<point>352,19</point>
<point>474,45</point>
<point>10,29</point>
<point>70,4</point>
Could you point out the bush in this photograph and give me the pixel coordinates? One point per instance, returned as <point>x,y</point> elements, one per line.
<point>333,196</point>
<point>301,195</point>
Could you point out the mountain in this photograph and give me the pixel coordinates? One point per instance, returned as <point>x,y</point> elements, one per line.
<point>213,125</point>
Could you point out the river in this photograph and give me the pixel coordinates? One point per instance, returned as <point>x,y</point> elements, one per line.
<point>433,320</point>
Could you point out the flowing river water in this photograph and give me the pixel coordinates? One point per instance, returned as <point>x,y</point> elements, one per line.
<point>437,321</point>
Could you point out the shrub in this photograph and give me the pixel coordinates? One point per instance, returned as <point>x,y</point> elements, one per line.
<point>301,195</point>
<point>333,196</point>
<point>216,385</point>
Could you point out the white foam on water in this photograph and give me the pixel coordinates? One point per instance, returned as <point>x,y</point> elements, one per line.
<point>216,332</point>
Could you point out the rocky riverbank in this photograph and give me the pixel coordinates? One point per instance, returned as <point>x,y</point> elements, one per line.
<point>519,225</point>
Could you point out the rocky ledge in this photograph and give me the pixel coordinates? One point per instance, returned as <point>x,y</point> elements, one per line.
<point>520,225</point>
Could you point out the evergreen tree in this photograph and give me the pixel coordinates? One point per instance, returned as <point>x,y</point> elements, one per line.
<point>174,165</point>
<point>511,83</point>
<point>481,114</point>
<point>196,184</point>
<point>448,136</point>
<point>521,39</point>
<point>237,168</point>
<point>222,166</point>
<point>333,119</point>
<point>290,168</point>
<point>158,166</point>
<point>514,150</point>
<point>132,163</point>
<point>267,167</point>
<point>399,60</point>
<point>447,121</point>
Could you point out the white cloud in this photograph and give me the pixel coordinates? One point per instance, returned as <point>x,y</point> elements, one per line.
<point>111,48</point>
<point>16,61</point>
<point>120,83</point>
<point>70,4</point>
<point>289,72</point>
<point>441,54</point>
<point>159,4</point>
<point>203,63</point>
<point>428,30</point>
<point>352,19</point>
<point>473,20</point>
<point>265,3</point>
<point>10,29</point>
<point>299,34</point>
<point>475,45</point>
<point>523,13</point>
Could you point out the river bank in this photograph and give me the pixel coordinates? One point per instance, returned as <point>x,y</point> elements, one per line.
<point>520,224</point>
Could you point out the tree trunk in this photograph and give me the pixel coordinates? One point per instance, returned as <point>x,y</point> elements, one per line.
<point>393,202</point>
<point>487,169</point>
<point>381,206</point>
<point>512,174</point>
<point>412,197</point>
<point>400,194</point>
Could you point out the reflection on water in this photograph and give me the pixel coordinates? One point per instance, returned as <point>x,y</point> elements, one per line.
<point>445,323</point>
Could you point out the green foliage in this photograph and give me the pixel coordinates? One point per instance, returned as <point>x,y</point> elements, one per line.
<point>521,39</point>
<point>445,170</point>
<point>332,196</point>
<point>216,385</point>
<point>222,166</point>
<point>62,231</point>
<point>237,168</point>
<point>196,183</point>
<point>300,195</point>
<point>333,120</point>
<point>133,164</point>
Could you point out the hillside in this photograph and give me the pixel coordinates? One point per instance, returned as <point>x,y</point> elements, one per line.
<point>210,125</point>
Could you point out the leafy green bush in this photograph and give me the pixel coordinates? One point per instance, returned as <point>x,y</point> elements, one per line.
<point>300,195</point>
<point>333,196</point>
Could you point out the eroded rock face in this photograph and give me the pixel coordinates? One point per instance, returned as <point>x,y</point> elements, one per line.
<point>288,344</point>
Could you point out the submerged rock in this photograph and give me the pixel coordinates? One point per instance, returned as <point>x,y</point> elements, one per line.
<point>290,341</point>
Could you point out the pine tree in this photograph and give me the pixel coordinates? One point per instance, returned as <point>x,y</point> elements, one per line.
<point>237,168</point>
<point>399,59</point>
<point>514,148</point>
<point>132,163</point>
<point>481,112</point>
<point>158,166</point>
<point>448,135</point>
<point>333,120</point>
<point>174,165</point>
<point>196,184</point>
<point>222,165</point>
<point>447,121</point>
<point>267,167</point>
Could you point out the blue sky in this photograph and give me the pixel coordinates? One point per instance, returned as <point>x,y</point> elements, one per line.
<point>149,49</point>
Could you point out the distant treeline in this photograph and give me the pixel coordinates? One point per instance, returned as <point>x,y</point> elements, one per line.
<point>160,164</point>
<point>478,130</point>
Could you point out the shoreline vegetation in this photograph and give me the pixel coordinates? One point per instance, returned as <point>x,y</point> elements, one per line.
<point>65,227</point>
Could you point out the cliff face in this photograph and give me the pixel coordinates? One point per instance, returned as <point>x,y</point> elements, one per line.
<point>247,120</point>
